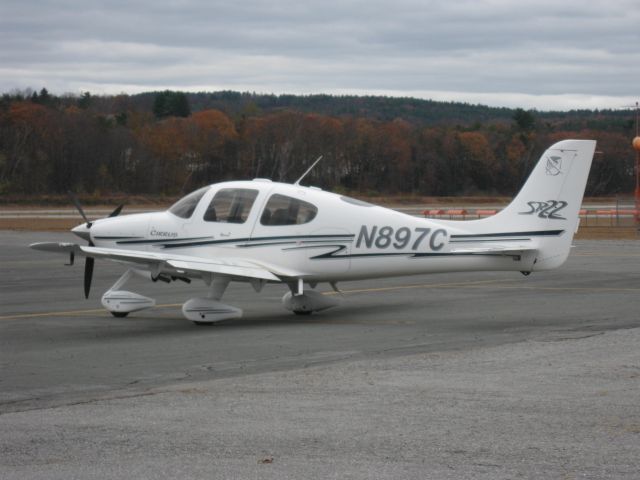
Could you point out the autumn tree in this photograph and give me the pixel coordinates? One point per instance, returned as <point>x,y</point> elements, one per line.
<point>430,166</point>
<point>274,145</point>
<point>478,160</point>
<point>393,157</point>
<point>167,143</point>
<point>212,141</point>
<point>150,143</point>
<point>359,147</point>
<point>26,129</point>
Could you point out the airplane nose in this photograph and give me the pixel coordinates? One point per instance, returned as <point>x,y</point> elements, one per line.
<point>82,231</point>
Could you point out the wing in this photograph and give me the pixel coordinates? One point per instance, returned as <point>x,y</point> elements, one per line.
<point>175,264</point>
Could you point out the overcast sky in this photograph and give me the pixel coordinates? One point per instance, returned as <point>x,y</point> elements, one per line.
<point>541,54</point>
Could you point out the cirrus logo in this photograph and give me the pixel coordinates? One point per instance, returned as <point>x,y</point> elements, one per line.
<point>554,166</point>
<point>159,233</point>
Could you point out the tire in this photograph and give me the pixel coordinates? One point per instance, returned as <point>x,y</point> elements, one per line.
<point>119,314</point>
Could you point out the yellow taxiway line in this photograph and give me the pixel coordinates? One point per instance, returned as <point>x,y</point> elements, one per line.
<point>71,312</point>
<point>499,283</point>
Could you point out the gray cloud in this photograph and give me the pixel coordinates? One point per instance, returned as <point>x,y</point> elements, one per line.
<point>532,53</point>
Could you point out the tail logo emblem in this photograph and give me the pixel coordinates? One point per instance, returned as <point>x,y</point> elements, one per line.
<point>549,209</point>
<point>554,166</point>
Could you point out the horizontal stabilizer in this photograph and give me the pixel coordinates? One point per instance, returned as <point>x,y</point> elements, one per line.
<point>56,247</point>
<point>508,251</point>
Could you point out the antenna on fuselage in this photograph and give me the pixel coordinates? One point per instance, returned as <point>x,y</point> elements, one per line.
<point>308,170</point>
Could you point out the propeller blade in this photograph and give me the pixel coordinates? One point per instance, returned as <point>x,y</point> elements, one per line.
<point>88,274</point>
<point>117,211</point>
<point>76,202</point>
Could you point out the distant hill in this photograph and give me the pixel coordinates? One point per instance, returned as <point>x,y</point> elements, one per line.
<point>416,111</point>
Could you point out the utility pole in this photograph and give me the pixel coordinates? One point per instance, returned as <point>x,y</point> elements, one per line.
<point>636,146</point>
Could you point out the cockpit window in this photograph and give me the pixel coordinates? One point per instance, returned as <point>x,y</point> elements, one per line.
<point>231,205</point>
<point>184,207</point>
<point>283,210</point>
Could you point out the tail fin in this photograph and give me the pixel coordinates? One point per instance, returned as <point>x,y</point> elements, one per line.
<point>548,205</point>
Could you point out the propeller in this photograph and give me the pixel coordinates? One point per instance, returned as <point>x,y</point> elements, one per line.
<point>88,275</point>
<point>117,211</point>
<point>89,261</point>
<point>76,202</point>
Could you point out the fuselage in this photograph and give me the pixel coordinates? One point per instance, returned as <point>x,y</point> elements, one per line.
<point>316,235</point>
<point>261,231</point>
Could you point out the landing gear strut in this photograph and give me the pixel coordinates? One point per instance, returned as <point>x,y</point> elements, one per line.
<point>302,302</point>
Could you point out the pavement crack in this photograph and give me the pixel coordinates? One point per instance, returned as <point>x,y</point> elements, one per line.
<point>581,337</point>
<point>53,406</point>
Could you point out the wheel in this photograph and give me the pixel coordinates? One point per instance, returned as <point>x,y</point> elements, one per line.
<point>203,324</point>
<point>119,314</point>
<point>302,312</point>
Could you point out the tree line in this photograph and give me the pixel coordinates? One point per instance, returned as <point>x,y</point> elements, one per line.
<point>161,143</point>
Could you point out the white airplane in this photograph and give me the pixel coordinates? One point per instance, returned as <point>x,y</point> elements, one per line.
<point>261,231</point>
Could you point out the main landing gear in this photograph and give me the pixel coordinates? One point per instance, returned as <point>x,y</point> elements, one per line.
<point>121,302</point>
<point>302,302</point>
<point>208,310</point>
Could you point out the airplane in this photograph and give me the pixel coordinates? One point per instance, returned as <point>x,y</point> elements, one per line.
<point>262,232</point>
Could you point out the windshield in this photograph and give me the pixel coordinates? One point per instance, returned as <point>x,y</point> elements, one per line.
<point>184,207</point>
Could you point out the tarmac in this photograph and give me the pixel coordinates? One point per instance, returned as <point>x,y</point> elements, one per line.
<point>483,375</point>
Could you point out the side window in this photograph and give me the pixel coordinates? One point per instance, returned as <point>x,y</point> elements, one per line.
<point>231,205</point>
<point>184,207</point>
<point>283,210</point>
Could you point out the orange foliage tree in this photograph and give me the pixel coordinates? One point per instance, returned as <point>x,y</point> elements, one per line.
<point>96,144</point>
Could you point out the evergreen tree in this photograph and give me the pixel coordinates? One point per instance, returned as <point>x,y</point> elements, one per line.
<point>171,104</point>
<point>525,120</point>
<point>44,98</point>
<point>84,101</point>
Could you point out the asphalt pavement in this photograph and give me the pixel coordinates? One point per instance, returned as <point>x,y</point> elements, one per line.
<point>483,375</point>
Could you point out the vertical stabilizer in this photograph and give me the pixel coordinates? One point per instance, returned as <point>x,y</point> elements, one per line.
<point>549,201</point>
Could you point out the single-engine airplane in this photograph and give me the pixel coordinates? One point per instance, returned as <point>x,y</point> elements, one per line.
<point>261,231</point>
